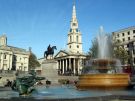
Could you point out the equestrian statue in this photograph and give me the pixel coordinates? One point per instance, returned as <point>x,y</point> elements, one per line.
<point>50,51</point>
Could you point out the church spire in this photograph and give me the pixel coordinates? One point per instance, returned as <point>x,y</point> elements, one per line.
<point>74,22</point>
<point>74,11</point>
<point>74,36</point>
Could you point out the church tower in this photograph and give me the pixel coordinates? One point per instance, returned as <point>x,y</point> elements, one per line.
<point>74,36</point>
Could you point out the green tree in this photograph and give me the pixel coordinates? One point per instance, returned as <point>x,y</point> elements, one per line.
<point>121,54</point>
<point>93,51</point>
<point>33,63</point>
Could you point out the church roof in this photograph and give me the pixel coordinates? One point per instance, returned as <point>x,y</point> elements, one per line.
<point>65,53</point>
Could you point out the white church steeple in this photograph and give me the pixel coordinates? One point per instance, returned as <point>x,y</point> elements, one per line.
<point>74,36</point>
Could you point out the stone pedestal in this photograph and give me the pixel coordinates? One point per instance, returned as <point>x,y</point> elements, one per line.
<point>49,70</point>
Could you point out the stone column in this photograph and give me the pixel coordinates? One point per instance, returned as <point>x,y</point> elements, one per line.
<point>69,63</point>
<point>2,61</point>
<point>60,67</point>
<point>63,67</point>
<point>78,66</point>
<point>10,61</point>
<point>66,64</point>
<point>74,65</point>
<point>8,64</point>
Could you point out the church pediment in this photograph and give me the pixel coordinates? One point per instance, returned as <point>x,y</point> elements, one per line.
<point>61,54</point>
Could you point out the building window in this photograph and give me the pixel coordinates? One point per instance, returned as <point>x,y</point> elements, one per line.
<point>70,30</point>
<point>77,30</point>
<point>133,31</point>
<point>128,33</point>
<point>117,35</point>
<point>127,45</point>
<point>122,34</point>
<point>70,46</point>
<point>128,38</point>
<point>74,24</point>
<point>5,56</point>
<point>77,46</point>
<point>25,68</point>
<point>70,39</point>
<point>130,45</point>
<point>14,57</point>
<point>77,39</point>
<point>123,39</point>
<point>118,40</point>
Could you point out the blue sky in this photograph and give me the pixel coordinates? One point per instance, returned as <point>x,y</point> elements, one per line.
<point>38,23</point>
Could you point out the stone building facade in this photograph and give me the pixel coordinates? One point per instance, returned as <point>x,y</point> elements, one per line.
<point>12,58</point>
<point>70,61</point>
<point>126,38</point>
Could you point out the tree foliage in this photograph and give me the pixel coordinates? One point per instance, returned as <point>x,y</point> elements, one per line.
<point>121,54</point>
<point>93,51</point>
<point>33,63</point>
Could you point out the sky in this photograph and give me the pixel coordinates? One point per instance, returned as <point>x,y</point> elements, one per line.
<point>38,23</point>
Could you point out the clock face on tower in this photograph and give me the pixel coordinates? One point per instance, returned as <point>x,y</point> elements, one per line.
<point>74,24</point>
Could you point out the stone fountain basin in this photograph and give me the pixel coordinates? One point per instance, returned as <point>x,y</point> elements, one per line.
<point>103,81</point>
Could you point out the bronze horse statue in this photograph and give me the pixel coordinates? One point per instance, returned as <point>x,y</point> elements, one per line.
<point>50,51</point>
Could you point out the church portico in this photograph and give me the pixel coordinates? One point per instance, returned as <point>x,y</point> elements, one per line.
<point>69,64</point>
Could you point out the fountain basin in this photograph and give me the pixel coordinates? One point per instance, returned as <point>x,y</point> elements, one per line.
<point>103,81</point>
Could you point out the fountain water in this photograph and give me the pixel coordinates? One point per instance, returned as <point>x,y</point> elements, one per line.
<point>104,43</point>
<point>106,71</point>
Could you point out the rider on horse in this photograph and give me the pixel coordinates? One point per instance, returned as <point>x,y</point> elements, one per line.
<point>50,51</point>
<point>49,48</point>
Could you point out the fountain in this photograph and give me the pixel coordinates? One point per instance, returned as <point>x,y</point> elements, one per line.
<point>25,85</point>
<point>104,72</point>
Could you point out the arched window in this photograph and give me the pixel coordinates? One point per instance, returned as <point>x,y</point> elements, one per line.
<point>77,39</point>
<point>70,39</point>
<point>70,30</point>
<point>77,30</point>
